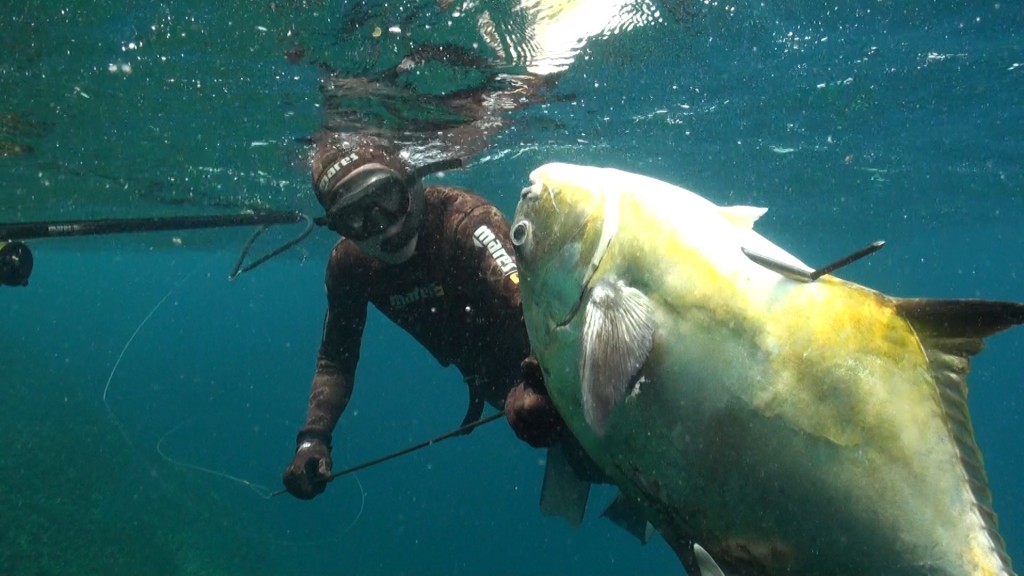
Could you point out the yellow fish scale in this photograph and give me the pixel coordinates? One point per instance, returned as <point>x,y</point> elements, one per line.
<point>851,372</point>
<point>849,368</point>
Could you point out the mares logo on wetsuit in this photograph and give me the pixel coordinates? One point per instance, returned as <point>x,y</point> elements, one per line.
<point>432,290</point>
<point>485,238</point>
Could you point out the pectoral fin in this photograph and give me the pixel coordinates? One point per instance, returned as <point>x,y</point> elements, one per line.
<point>618,332</point>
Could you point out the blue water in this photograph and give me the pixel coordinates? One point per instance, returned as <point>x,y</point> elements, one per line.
<point>852,122</point>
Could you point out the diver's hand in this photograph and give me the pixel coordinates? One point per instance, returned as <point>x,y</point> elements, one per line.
<point>310,469</point>
<point>529,410</point>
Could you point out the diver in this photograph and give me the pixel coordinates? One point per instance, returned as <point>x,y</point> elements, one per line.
<point>438,262</point>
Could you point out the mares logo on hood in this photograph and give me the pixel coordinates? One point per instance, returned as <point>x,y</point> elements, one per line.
<point>485,238</point>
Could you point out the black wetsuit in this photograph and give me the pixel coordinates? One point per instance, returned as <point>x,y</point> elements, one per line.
<point>458,295</point>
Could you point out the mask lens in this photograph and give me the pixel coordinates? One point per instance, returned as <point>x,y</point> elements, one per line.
<point>371,215</point>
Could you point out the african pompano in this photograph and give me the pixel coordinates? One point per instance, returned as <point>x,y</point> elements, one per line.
<point>788,426</point>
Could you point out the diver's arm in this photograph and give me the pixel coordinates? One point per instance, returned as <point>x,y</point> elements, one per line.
<point>339,346</point>
<point>310,469</point>
<point>488,259</point>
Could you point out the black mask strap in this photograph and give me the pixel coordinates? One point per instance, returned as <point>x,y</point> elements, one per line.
<point>434,167</point>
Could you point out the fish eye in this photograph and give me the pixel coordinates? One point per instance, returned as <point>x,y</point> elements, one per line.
<point>520,232</point>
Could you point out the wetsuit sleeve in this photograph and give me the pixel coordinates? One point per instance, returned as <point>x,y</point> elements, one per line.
<point>487,270</point>
<point>339,345</point>
<point>485,252</point>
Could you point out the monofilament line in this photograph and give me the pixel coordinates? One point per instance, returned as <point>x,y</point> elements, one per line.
<point>110,378</point>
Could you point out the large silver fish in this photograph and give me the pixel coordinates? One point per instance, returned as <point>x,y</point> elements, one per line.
<point>788,426</point>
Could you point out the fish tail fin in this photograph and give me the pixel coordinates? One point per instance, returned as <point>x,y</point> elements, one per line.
<point>951,331</point>
<point>966,319</point>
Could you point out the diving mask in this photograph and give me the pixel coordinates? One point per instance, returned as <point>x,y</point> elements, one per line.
<point>373,199</point>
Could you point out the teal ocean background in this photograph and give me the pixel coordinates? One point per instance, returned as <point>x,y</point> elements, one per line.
<point>148,404</point>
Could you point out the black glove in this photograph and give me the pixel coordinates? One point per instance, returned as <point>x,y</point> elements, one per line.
<point>529,410</point>
<point>310,468</point>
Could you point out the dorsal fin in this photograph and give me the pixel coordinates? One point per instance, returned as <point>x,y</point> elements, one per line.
<point>742,216</point>
<point>952,331</point>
